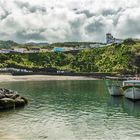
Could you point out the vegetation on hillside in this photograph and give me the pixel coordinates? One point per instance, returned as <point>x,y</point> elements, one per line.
<point>123,58</point>
<point>72,44</point>
<point>11,44</point>
<point>7,44</point>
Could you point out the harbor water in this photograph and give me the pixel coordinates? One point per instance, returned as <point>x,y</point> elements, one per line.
<point>70,110</point>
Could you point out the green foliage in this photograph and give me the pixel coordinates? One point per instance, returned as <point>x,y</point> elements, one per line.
<point>120,59</point>
<point>72,44</point>
<point>7,44</point>
<point>129,41</point>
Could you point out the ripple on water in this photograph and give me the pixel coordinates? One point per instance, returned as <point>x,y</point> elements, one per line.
<point>75,110</point>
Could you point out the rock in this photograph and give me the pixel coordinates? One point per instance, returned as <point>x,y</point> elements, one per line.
<point>7,103</point>
<point>2,96</point>
<point>8,95</point>
<point>14,96</point>
<point>11,99</point>
<point>25,100</point>
<point>19,102</point>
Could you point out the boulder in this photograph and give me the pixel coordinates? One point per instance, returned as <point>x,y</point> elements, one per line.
<point>7,103</point>
<point>19,102</point>
<point>15,95</point>
<point>25,100</point>
<point>2,96</point>
<point>11,99</point>
<point>9,95</point>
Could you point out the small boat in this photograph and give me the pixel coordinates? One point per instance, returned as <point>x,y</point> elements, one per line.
<point>115,90</point>
<point>114,87</point>
<point>131,89</point>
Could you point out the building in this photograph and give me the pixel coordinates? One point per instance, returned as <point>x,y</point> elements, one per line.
<point>112,40</point>
<point>35,49</point>
<point>96,45</point>
<point>57,49</point>
<point>109,38</point>
<point>5,51</point>
<point>85,46</point>
<point>45,50</point>
<point>19,50</point>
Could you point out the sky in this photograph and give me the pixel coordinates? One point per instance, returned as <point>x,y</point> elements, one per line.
<point>68,20</point>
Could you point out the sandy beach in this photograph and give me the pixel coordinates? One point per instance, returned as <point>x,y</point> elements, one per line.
<point>9,78</point>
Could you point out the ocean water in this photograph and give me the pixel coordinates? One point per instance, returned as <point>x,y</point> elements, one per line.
<point>70,110</point>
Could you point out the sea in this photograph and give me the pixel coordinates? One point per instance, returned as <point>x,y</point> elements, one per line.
<point>69,110</point>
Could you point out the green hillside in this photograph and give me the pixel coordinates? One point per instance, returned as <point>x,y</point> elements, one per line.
<point>123,58</point>
<point>7,44</point>
<point>72,44</point>
<point>10,44</point>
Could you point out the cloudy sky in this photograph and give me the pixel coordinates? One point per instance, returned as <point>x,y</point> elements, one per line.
<point>68,20</point>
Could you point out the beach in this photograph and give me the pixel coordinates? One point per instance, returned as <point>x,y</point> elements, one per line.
<point>11,78</point>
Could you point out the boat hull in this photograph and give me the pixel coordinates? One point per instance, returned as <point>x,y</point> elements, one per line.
<point>115,91</point>
<point>132,93</point>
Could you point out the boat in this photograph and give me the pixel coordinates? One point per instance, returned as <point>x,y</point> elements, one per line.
<point>114,88</point>
<point>131,89</point>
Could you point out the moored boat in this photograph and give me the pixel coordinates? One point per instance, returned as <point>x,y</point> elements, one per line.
<point>131,89</point>
<point>115,90</point>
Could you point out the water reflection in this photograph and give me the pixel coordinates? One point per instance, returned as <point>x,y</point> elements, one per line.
<point>132,108</point>
<point>125,105</point>
<point>115,102</point>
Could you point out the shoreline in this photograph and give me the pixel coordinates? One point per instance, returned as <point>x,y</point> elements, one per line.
<point>11,78</point>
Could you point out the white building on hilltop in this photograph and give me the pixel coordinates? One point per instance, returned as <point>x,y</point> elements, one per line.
<point>110,39</point>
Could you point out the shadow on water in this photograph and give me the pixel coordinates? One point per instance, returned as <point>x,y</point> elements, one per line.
<point>124,105</point>
<point>132,108</point>
<point>115,102</point>
<point>10,112</point>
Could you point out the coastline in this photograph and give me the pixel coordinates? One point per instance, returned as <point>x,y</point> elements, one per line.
<point>11,78</point>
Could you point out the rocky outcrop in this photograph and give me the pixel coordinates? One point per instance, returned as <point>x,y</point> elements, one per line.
<point>10,99</point>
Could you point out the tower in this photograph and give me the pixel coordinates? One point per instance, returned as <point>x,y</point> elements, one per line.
<point>109,38</point>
